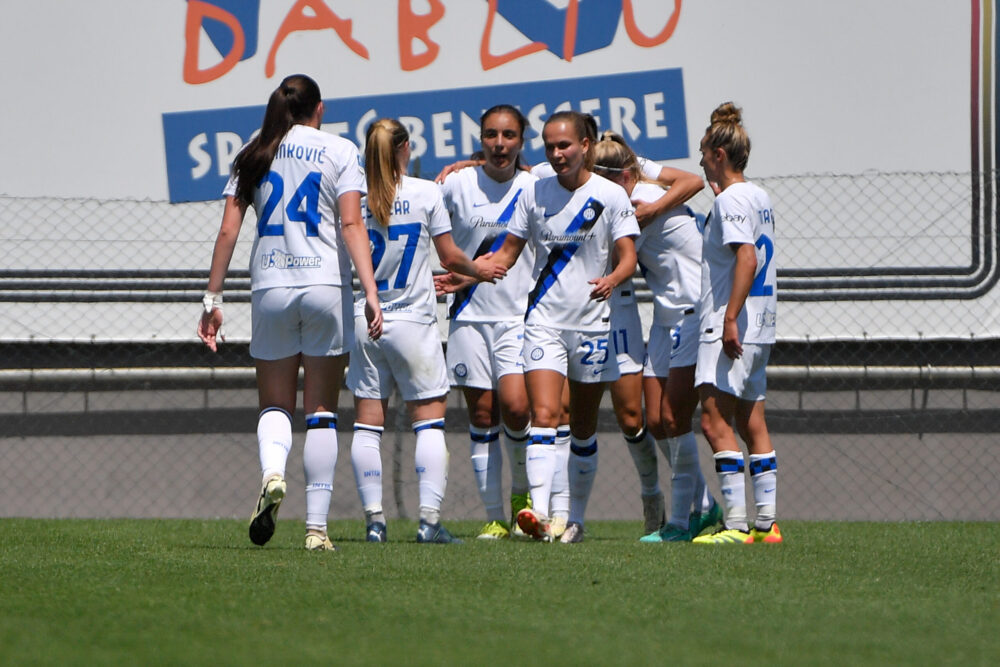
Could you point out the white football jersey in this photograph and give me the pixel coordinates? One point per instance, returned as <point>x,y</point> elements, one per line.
<point>669,250</point>
<point>480,211</point>
<point>573,234</point>
<point>401,251</point>
<point>742,213</point>
<point>298,240</point>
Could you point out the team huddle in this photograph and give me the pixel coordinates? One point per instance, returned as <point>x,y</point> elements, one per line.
<point>542,318</point>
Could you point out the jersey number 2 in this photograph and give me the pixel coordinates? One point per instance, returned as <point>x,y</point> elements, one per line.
<point>412,233</point>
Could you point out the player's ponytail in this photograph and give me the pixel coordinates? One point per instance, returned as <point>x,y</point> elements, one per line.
<point>613,155</point>
<point>726,131</point>
<point>382,168</point>
<point>293,101</point>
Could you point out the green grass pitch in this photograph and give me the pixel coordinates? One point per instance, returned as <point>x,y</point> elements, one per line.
<point>197,592</point>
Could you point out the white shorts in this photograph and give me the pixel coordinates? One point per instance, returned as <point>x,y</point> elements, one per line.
<point>316,320</point>
<point>674,347</point>
<point>408,354</point>
<point>626,338</point>
<point>579,355</point>
<point>743,378</point>
<point>479,353</point>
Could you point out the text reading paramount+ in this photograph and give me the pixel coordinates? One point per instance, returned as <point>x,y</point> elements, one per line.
<point>647,108</point>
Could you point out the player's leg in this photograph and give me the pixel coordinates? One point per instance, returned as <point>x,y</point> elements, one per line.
<point>752,427</point>
<point>431,462</point>
<point>369,377</point>
<point>515,410</point>
<point>276,387</point>
<point>327,334</point>
<point>559,499</point>
<point>545,393</point>
<point>486,457</point>
<point>469,368</point>
<point>626,398</point>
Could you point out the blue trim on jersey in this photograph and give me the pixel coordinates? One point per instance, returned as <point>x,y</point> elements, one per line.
<point>464,297</point>
<point>582,221</point>
<point>558,259</point>
<point>439,424</point>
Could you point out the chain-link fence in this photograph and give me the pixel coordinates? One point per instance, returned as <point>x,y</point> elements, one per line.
<point>884,387</point>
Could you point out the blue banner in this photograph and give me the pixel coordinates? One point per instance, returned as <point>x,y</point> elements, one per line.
<point>647,108</point>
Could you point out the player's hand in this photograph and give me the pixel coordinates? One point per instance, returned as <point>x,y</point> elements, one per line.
<point>210,328</point>
<point>731,340</point>
<point>602,288</point>
<point>488,270</point>
<point>644,211</point>
<point>455,166</point>
<point>373,315</point>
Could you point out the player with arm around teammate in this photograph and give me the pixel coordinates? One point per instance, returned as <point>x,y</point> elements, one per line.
<point>404,215</point>
<point>669,251</point>
<point>486,322</point>
<point>738,314</point>
<point>306,187</point>
<point>582,228</point>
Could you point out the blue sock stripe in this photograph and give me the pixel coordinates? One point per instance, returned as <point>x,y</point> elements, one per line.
<point>439,423</point>
<point>729,465</point>
<point>563,432</point>
<point>541,440</point>
<point>323,421</point>
<point>489,436</point>
<point>366,427</point>
<point>272,409</point>
<point>758,466</point>
<point>584,450</point>
<point>524,438</point>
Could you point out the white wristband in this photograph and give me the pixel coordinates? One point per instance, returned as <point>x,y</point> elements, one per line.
<point>212,300</point>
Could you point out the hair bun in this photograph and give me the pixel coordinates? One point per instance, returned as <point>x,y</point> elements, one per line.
<point>727,113</point>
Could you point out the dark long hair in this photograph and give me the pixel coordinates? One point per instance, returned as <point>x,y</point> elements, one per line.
<point>294,101</point>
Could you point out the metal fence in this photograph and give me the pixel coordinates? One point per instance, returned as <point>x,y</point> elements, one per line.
<point>884,387</point>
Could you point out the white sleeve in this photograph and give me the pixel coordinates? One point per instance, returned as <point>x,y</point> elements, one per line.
<point>623,222</point>
<point>650,169</point>
<point>518,225</point>
<point>735,219</point>
<point>438,220</point>
<point>352,175</point>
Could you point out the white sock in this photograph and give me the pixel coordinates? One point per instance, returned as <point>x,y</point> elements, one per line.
<point>582,470</point>
<point>643,450</point>
<point>366,459</point>
<point>431,462</point>
<point>516,443</point>
<point>319,460</point>
<point>684,466</point>
<point>274,440</point>
<point>559,501</point>
<point>764,477</point>
<point>487,467</point>
<point>539,465</point>
<point>729,466</point>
